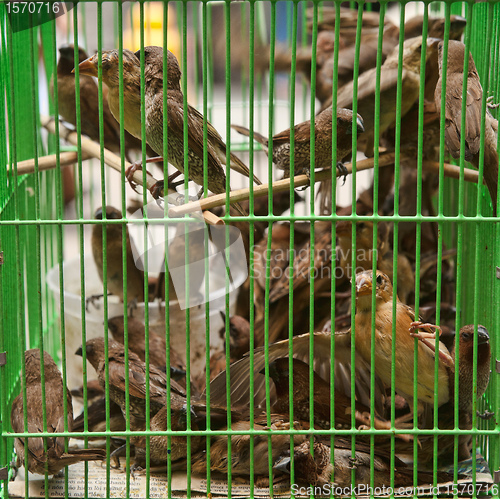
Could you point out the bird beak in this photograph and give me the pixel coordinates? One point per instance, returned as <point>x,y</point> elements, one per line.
<point>363,286</point>
<point>433,43</point>
<point>87,67</point>
<point>79,352</point>
<point>360,125</point>
<point>458,23</point>
<point>482,335</point>
<point>282,465</point>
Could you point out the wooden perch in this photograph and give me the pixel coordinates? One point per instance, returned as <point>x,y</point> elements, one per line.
<point>452,171</point>
<point>385,159</point>
<point>49,162</point>
<point>278,186</point>
<point>93,149</point>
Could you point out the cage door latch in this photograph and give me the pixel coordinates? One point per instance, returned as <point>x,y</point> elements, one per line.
<point>4,473</point>
<point>3,358</point>
<point>496,476</point>
<point>497,366</point>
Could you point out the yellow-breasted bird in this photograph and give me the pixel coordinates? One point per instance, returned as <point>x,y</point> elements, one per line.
<point>405,344</point>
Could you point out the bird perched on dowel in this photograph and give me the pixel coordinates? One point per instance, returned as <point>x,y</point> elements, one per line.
<point>215,147</point>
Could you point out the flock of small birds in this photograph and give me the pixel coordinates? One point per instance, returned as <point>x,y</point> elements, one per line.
<point>180,403</point>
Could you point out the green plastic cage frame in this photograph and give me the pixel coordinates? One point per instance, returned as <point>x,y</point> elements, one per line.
<point>32,223</point>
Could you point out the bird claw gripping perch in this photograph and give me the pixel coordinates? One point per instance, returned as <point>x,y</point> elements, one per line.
<point>94,300</point>
<point>426,337</point>
<point>342,170</point>
<point>129,172</point>
<point>489,103</point>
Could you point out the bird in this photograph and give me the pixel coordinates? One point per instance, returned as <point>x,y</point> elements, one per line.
<point>136,405</point>
<point>239,373</point>
<point>95,350</point>
<point>279,371</point>
<point>315,470</point>
<point>365,253</point>
<point>405,345</point>
<point>216,149</point>
<point>136,342</point>
<point>131,90</point>
<point>300,267</point>
<point>473,106</point>
<point>311,468</point>
<point>55,458</point>
<point>302,139</point>
<point>239,335</point>
<point>435,27</point>
<point>388,86</point>
<point>89,104</point>
<point>153,58</point>
<point>114,257</point>
<point>96,417</point>
<point>240,447</point>
<point>463,397</point>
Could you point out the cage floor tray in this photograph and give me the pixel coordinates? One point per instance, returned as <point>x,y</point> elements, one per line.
<point>95,486</point>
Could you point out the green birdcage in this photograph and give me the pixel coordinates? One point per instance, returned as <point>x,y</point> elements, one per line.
<point>258,64</point>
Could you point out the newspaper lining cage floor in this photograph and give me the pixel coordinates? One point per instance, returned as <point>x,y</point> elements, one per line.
<point>323,414</point>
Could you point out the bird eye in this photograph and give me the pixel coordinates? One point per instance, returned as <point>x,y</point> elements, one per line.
<point>361,225</point>
<point>466,336</point>
<point>379,279</point>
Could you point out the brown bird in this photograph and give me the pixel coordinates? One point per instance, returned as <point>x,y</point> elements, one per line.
<point>137,381</point>
<point>131,98</point>
<point>239,371</point>
<point>279,371</point>
<point>89,104</point>
<point>435,27</point>
<point>114,247</point>
<point>388,86</point>
<point>302,139</point>
<point>405,345</point>
<point>239,336</point>
<point>94,391</point>
<point>96,417</point>
<point>240,447</point>
<point>453,114</point>
<point>216,148</point>
<point>137,398</point>
<point>136,341</point>
<point>300,268</point>
<point>446,414</point>
<point>365,254</point>
<point>311,468</point>
<point>160,449</point>
<point>55,458</point>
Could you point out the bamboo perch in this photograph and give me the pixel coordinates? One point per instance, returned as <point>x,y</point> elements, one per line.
<point>49,162</point>
<point>278,186</point>
<point>452,171</point>
<point>93,149</point>
<point>385,159</point>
